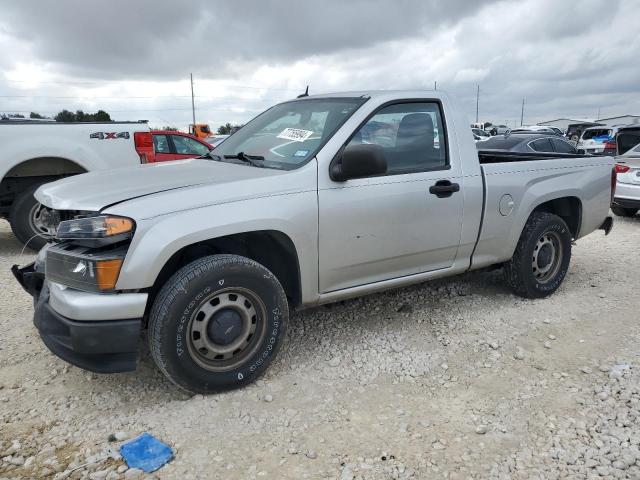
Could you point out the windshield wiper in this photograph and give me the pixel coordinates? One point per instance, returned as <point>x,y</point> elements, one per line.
<point>250,159</point>
<point>211,156</point>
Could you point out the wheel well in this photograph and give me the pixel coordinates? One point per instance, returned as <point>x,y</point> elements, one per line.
<point>45,166</point>
<point>567,208</point>
<point>36,170</point>
<point>270,248</point>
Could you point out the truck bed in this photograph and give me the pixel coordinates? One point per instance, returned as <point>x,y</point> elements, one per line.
<point>516,183</point>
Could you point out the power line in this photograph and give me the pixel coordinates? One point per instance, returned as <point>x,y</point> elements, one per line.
<point>139,110</point>
<point>115,82</point>
<point>91,97</point>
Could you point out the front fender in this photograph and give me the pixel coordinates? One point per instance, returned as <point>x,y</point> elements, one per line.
<point>157,239</point>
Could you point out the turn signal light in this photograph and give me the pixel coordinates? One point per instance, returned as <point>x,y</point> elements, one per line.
<point>116,225</point>
<point>107,272</point>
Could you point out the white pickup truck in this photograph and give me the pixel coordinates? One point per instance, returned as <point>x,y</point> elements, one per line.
<point>37,152</point>
<point>316,200</point>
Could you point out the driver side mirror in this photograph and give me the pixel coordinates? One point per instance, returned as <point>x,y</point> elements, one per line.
<point>358,161</point>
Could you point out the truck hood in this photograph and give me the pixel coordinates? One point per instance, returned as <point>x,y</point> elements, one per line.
<point>95,191</point>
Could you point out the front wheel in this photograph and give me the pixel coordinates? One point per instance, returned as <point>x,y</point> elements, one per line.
<point>541,259</point>
<point>217,323</point>
<point>624,212</point>
<point>30,221</point>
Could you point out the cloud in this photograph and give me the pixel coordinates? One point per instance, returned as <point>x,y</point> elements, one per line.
<point>467,75</point>
<point>153,39</point>
<point>133,58</point>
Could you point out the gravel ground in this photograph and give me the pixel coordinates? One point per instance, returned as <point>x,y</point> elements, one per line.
<point>453,379</point>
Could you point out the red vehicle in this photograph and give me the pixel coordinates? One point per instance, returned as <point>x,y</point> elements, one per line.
<point>173,145</point>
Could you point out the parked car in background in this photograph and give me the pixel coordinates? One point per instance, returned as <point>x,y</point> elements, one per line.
<point>598,141</point>
<point>173,145</point>
<point>626,201</point>
<point>296,209</point>
<point>498,129</point>
<point>524,142</point>
<point>631,153</point>
<point>574,130</point>
<point>36,152</point>
<point>537,129</point>
<point>200,130</point>
<point>627,138</point>
<point>480,135</point>
<point>216,140</point>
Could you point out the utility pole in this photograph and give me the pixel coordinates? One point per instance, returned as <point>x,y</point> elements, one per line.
<point>193,103</point>
<point>435,85</point>
<point>477,103</point>
<point>598,117</point>
<point>522,113</point>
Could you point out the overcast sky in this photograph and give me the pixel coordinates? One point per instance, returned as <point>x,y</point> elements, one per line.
<point>133,58</point>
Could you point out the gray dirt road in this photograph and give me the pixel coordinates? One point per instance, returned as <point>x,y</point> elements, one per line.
<point>453,379</point>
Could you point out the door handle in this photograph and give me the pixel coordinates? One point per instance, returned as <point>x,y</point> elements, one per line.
<point>444,188</point>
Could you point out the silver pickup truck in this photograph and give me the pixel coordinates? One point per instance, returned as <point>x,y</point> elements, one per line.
<point>315,200</point>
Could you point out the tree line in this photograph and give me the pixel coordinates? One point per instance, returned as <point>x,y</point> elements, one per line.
<point>63,116</point>
<point>99,116</point>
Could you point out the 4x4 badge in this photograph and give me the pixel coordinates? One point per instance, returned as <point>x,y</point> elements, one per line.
<point>109,135</point>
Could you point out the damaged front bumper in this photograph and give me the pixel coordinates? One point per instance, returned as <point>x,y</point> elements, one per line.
<point>101,345</point>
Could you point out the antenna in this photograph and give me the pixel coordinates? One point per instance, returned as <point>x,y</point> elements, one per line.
<point>305,94</point>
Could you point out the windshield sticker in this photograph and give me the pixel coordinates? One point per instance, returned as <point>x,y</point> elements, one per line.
<point>301,153</point>
<point>295,134</point>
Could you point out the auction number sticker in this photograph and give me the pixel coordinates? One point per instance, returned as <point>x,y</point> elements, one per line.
<point>295,134</point>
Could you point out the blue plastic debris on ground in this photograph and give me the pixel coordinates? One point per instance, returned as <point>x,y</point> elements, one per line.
<point>146,453</point>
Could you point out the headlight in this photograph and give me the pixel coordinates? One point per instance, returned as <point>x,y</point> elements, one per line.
<point>79,267</point>
<point>101,230</point>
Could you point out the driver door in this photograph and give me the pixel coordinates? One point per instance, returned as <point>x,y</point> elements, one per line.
<point>385,227</point>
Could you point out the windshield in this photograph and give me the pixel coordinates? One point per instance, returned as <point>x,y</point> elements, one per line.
<point>597,134</point>
<point>289,134</point>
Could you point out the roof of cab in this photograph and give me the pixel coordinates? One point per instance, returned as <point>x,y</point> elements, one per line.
<point>381,93</point>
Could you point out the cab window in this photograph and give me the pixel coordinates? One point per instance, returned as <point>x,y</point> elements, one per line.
<point>161,144</point>
<point>411,135</point>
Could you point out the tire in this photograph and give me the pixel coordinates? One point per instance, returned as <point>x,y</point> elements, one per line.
<point>24,219</point>
<point>624,212</point>
<point>541,259</point>
<point>195,320</point>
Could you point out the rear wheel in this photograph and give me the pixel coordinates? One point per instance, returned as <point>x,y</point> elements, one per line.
<point>30,220</point>
<point>624,212</point>
<point>217,323</point>
<point>542,256</point>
